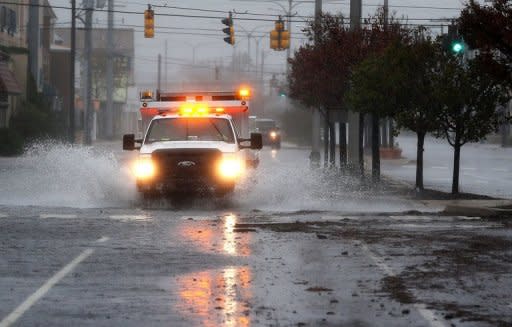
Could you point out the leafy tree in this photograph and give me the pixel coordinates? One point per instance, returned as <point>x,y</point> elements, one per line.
<point>400,83</point>
<point>470,95</point>
<point>320,71</point>
<point>373,91</point>
<point>489,29</point>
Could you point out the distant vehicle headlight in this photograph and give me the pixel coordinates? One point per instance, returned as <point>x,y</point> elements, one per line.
<point>144,168</point>
<point>273,134</point>
<point>230,166</point>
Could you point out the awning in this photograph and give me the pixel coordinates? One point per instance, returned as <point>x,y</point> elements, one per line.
<point>8,82</point>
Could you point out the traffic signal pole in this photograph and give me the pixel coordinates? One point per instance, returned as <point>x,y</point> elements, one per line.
<point>355,149</point>
<point>89,5</point>
<point>109,119</point>
<point>289,27</point>
<point>72,74</point>
<point>314,157</point>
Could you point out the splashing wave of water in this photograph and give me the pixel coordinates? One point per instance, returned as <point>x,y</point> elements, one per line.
<point>292,186</point>
<point>53,174</point>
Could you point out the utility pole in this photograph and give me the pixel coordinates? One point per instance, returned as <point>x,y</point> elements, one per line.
<point>72,74</point>
<point>391,138</point>
<point>159,77</point>
<point>386,13</point>
<point>109,119</point>
<point>314,156</point>
<point>289,27</point>
<point>355,151</point>
<point>165,64</point>
<point>89,5</point>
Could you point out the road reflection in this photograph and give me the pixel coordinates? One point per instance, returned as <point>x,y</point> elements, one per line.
<point>216,297</point>
<point>219,236</point>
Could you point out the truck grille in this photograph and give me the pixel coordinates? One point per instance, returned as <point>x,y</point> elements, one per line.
<point>186,164</point>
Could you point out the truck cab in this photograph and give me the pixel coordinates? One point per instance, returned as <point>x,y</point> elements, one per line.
<point>189,147</point>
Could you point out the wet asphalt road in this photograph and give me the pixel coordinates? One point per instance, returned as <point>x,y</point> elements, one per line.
<point>142,267</point>
<point>333,255</point>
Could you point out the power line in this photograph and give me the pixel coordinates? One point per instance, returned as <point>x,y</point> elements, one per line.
<point>201,16</point>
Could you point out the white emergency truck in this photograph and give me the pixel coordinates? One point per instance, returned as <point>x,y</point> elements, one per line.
<point>193,142</point>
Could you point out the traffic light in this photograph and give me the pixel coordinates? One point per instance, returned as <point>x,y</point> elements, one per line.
<point>457,47</point>
<point>279,38</point>
<point>285,40</point>
<point>453,42</point>
<point>282,92</point>
<point>274,39</point>
<point>149,23</point>
<point>229,30</point>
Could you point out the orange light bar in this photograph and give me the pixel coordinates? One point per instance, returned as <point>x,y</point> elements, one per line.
<point>193,109</point>
<point>219,110</point>
<point>244,92</point>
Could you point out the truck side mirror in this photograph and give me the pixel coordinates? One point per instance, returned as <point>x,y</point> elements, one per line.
<point>129,142</point>
<point>256,141</point>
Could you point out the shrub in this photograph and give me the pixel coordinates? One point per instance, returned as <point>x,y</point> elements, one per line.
<point>11,142</point>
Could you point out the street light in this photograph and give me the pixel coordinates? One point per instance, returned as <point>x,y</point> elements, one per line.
<point>249,35</point>
<point>194,47</point>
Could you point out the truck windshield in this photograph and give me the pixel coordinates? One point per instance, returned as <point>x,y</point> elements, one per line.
<point>190,129</point>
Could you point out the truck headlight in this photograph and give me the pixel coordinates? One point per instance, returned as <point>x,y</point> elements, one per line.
<point>230,166</point>
<point>144,168</point>
<point>273,135</point>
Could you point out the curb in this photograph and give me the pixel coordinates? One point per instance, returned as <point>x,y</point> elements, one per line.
<point>469,211</point>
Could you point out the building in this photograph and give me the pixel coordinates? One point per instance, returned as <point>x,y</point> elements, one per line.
<point>39,37</point>
<point>123,58</point>
<point>13,59</point>
<point>26,32</point>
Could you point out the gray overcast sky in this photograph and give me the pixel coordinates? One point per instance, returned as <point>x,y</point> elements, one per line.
<point>210,47</point>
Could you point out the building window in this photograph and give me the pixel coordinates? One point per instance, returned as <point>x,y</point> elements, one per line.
<point>12,22</point>
<point>3,109</point>
<point>3,19</point>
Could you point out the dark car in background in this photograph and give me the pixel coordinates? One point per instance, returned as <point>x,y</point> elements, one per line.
<point>270,132</point>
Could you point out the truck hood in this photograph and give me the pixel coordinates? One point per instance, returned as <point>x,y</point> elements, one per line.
<point>222,146</point>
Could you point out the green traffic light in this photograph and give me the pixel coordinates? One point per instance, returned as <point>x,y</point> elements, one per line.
<point>457,47</point>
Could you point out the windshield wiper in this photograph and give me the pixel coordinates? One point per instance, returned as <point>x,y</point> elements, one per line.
<point>218,130</point>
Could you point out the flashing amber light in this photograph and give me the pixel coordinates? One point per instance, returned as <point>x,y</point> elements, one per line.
<point>194,110</point>
<point>146,95</point>
<point>186,111</point>
<point>219,110</point>
<point>244,92</point>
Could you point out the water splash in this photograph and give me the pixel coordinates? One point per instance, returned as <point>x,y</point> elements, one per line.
<point>292,185</point>
<point>55,174</point>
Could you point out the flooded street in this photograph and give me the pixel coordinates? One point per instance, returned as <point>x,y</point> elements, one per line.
<point>290,248</point>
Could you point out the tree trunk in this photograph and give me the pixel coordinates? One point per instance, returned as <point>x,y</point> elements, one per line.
<point>456,166</point>
<point>419,161</point>
<point>326,140</point>
<point>343,144</point>
<point>391,140</point>
<point>375,148</point>
<point>332,145</point>
<point>361,149</point>
<point>384,133</point>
